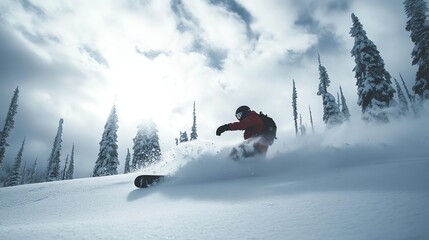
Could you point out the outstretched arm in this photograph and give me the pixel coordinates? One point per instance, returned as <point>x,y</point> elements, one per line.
<point>244,124</point>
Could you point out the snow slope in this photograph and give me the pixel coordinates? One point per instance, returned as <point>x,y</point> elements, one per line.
<point>365,182</point>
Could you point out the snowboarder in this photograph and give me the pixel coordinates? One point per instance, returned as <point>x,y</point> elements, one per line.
<point>253,127</point>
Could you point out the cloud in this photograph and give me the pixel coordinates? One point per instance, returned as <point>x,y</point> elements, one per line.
<point>28,6</point>
<point>242,12</point>
<point>95,55</point>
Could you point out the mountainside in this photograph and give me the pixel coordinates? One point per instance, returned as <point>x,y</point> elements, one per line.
<point>318,187</point>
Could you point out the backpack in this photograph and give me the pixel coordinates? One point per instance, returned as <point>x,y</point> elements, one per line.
<point>270,128</point>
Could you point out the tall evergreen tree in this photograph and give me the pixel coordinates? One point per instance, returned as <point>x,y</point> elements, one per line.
<point>31,176</point>
<point>403,104</point>
<point>70,169</point>
<point>24,173</point>
<point>331,112</point>
<point>8,124</point>
<point>311,119</point>
<point>375,93</point>
<point>147,149</point>
<point>53,169</point>
<point>410,98</point>
<point>294,106</point>
<point>417,25</point>
<point>14,177</point>
<point>324,79</point>
<point>302,128</point>
<point>344,107</point>
<point>65,168</point>
<point>127,162</point>
<point>107,162</point>
<point>413,105</point>
<point>194,135</point>
<point>338,100</point>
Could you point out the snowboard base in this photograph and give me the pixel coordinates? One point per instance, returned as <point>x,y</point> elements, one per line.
<point>145,181</point>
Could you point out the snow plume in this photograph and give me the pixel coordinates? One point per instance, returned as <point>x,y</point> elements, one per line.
<point>352,144</point>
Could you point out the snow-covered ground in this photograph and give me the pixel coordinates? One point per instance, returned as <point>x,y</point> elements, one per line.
<point>357,182</point>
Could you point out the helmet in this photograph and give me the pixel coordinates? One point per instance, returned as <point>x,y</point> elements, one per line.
<point>242,112</point>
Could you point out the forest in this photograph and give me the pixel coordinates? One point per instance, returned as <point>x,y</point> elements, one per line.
<point>381,98</point>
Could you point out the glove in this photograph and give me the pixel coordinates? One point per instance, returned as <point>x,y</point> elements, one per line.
<point>222,129</point>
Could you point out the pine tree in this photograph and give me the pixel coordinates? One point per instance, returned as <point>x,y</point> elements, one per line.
<point>14,177</point>
<point>294,106</point>
<point>331,112</point>
<point>127,162</point>
<point>403,104</point>
<point>53,169</point>
<point>410,98</point>
<point>70,169</point>
<point>31,176</point>
<point>338,100</point>
<point>344,107</point>
<point>417,25</point>
<point>311,119</point>
<point>375,93</point>
<point>332,115</point>
<point>194,134</point>
<point>183,137</point>
<point>146,146</point>
<point>302,128</point>
<point>24,173</point>
<point>324,79</point>
<point>107,162</point>
<point>8,124</point>
<point>65,168</point>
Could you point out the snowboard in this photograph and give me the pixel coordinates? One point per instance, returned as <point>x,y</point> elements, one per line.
<point>145,181</point>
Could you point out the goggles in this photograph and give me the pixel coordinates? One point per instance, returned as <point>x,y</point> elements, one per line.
<point>239,115</point>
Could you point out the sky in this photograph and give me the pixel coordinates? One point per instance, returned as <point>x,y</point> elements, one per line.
<point>76,59</point>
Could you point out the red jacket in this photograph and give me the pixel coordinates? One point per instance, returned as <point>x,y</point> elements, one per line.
<point>251,124</point>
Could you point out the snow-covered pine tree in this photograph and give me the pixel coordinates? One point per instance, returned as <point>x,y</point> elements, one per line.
<point>31,175</point>
<point>332,115</point>
<point>375,93</point>
<point>65,168</point>
<point>338,100</point>
<point>70,169</point>
<point>344,107</point>
<point>107,161</point>
<point>311,119</point>
<point>24,173</point>
<point>194,135</point>
<point>294,106</point>
<point>183,137</point>
<point>53,169</point>
<point>413,105</point>
<point>127,162</point>
<point>146,146</point>
<point>8,124</point>
<point>418,26</point>
<point>302,128</point>
<point>14,177</point>
<point>331,112</point>
<point>403,104</point>
<point>324,79</point>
